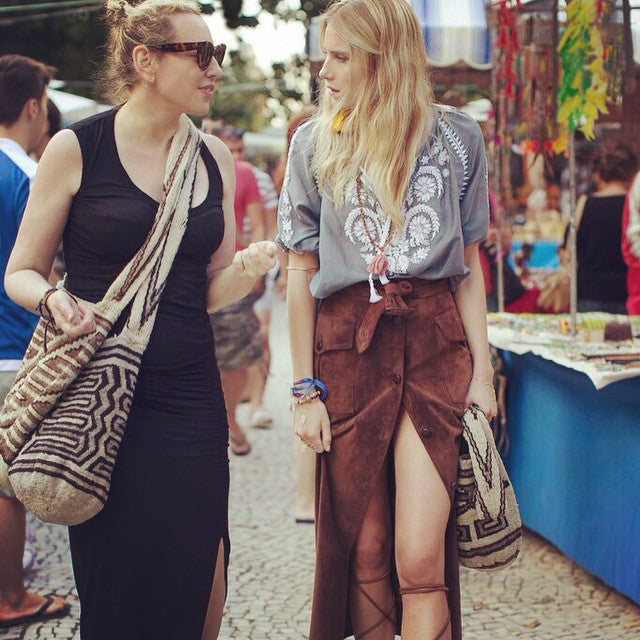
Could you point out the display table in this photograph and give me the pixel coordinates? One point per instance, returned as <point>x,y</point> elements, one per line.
<point>574,460</point>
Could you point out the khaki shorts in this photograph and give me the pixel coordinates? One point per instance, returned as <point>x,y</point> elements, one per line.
<point>236,334</point>
<point>6,380</point>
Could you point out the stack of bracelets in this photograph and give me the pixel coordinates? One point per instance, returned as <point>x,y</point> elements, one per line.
<point>307,389</point>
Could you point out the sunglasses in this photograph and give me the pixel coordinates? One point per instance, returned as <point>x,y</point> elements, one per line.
<point>205,51</point>
<point>228,132</point>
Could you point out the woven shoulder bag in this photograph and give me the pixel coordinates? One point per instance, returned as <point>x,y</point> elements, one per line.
<point>64,417</point>
<point>488,521</point>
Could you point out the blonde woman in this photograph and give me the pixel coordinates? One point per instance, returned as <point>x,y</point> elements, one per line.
<point>383,206</point>
<point>152,565</point>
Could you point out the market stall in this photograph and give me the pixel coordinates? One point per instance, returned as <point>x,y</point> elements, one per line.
<point>573,424</point>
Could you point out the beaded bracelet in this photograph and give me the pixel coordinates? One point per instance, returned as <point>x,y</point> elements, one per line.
<point>302,387</point>
<point>306,398</point>
<point>486,383</point>
<point>43,305</point>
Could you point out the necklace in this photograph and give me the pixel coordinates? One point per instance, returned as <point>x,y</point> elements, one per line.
<point>379,263</point>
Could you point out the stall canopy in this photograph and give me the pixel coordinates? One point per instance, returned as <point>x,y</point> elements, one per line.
<point>455,32</point>
<point>73,107</point>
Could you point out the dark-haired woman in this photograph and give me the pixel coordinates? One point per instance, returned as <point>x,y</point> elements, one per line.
<point>602,272</point>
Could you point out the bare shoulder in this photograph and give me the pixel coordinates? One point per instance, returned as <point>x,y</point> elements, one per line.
<point>220,152</point>
<point>62,160</point>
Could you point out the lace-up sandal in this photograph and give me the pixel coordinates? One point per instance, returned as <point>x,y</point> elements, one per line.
<point>384,615</point>
<point>429,588</point>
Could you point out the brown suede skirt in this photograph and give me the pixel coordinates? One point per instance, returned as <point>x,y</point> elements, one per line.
<point>407,351</point>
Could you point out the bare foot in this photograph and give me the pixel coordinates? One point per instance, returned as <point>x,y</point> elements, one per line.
<point>31,608</point>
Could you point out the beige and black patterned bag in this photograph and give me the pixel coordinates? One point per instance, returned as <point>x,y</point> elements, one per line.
<point>487,517</point>
<point>63,419</point>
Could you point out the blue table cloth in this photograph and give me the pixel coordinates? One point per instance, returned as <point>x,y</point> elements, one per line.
<point>574,460</point>
<point>543,256</point>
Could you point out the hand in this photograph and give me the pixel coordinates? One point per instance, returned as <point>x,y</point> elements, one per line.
<point>311,424</point>
<point>483,395</point>
<point>256,259</point>
<point>71,317</point>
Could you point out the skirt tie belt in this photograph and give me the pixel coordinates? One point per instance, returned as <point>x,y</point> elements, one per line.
<point>392,304</point>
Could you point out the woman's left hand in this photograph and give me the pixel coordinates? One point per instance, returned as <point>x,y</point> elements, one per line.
<point>482,394</point>
<point>256,259</point>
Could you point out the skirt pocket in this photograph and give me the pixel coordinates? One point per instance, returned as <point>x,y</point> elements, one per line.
<point>335,364</point>
<point>454,355</point>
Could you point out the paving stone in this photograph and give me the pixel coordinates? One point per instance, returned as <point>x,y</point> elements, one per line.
<point>542,596</point>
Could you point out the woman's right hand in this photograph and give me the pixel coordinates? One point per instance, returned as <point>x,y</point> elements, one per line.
<point>71,317</point>
<point>311,424</point>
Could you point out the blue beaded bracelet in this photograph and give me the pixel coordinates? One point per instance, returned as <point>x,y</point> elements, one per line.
<point>301,387</point>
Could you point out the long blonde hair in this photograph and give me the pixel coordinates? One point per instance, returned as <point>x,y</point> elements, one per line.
<point>147,22</point>
<point>391,116</point>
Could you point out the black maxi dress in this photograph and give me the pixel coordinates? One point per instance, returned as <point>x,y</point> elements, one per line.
<point>144,566</point>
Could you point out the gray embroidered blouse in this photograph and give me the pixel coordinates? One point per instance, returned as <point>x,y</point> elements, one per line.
<point>446,208</point>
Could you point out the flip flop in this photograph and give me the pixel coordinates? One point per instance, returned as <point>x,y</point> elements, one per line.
<point>240,446</point>
<point>260,419</point>
<point>39,615</point>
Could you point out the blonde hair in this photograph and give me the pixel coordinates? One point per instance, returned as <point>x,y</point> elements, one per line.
<point>391,116</point>
<point>147,22</point>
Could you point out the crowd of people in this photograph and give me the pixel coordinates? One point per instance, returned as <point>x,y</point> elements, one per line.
<point>386,252</point>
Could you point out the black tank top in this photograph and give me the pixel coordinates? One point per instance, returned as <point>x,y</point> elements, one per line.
<point>108,221</point>
<point>602,273</point>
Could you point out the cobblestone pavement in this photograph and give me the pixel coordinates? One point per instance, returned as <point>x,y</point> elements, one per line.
<point>543,596</point>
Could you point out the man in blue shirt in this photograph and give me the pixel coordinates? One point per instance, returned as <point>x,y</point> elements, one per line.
<point>23,122</point>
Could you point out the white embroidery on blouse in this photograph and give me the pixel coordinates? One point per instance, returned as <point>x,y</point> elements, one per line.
<point>422,222</point>
<point>459,148</point>
<point>285,208</point>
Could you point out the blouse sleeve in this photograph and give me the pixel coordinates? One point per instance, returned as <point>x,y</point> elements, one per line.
<point>299,205</point>
<point>474,201</point>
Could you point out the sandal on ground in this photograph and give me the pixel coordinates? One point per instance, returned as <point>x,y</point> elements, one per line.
<point>239,445</point>
<point>260,419</point>
<point>40,614</point>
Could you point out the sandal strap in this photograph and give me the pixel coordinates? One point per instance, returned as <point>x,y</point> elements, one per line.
<point>386,615</point>
<point>425,589</point>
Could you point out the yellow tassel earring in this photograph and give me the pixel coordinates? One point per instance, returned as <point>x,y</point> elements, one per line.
<point>338,120</point>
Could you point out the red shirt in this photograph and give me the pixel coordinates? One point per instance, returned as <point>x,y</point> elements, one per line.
<point>247,193</point>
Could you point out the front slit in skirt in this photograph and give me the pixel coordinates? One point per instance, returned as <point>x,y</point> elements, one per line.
<point>406,351</point>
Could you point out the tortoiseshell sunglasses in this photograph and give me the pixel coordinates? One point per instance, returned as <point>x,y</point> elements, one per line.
<point>205,51</point>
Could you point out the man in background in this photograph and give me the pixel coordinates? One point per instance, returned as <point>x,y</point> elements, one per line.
<point>23,122</point>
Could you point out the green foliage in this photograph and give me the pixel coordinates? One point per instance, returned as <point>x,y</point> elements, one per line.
<point>70,35</point>
<point>70,42</point>
<point>250,99</point>
<point>306,8</point>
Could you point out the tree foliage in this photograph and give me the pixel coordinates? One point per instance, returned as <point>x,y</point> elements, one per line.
<point>70,35</point>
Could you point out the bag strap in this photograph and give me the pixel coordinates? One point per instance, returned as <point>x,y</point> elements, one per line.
<point>163,240</point>
<point>485,459</point>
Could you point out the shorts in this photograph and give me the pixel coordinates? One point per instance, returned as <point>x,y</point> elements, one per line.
<point>6,380</point>
<point>236,334</point>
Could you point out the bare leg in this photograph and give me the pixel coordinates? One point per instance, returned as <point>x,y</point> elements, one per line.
<point>422,512</point>
<point>371,599</point>
<point>216,601</point>
<point>258,373</point>
<point>233,383</point>
<point>15,600</point>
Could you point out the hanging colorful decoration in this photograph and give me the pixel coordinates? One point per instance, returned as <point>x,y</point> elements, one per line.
<point>539,81</point>
<point>584,83</point>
